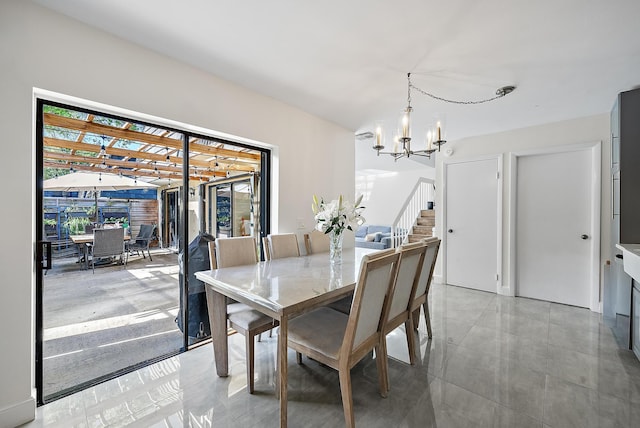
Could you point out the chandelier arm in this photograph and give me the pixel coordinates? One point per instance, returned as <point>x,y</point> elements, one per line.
<point>454,101</point>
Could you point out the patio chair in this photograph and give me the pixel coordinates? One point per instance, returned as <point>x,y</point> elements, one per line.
<point>107,243</point>
<point>141,243</point>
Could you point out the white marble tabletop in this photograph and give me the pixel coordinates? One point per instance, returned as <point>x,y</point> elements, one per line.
<point>285,286</point>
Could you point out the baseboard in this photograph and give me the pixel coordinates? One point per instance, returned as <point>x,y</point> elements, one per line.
<point>506,291</point>
<point>19,413</point>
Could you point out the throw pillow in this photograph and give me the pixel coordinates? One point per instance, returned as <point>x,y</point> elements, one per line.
<point>370,237</point>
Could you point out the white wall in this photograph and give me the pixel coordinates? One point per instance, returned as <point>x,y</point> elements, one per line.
<point>39,48</point>
<point>385,192</point>
<point>582,130</point>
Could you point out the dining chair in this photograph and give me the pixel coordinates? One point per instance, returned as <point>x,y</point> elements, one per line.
<point>401,297</point>
<point>421,295</point>
<point>316,242</point>
<point>346,339</point>
<point>239,251</point>
<point>107,243</point>
<point>344,305</point>
<point>265,248</point>
<point>279,246</point>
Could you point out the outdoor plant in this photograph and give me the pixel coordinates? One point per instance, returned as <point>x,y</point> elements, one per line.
<point>114,220</point>
<point>75,225</point>
<point>50,222</point>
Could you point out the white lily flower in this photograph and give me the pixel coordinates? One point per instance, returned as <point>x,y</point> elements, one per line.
<point>337,215</point>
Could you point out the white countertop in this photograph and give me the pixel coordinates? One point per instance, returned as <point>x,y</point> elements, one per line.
<point>631,259</point>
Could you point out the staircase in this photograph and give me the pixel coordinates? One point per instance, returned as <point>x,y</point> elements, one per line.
<point>405,227</point>
<point>423,226</point>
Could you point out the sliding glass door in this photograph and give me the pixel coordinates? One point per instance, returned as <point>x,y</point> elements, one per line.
<point>102,313</point>
<point>231,205</point>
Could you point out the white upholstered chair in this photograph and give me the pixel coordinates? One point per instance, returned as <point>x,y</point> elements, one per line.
<point>316,242</point>
<point>401,296</point>
<point>346,339</point>
<point>424,283</point>
<point>279,246</point>
<point>238,251</point>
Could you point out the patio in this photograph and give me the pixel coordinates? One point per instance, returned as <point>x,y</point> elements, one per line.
<point>96,324</point>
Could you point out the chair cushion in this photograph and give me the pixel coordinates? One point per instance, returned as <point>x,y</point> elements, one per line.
<point>321,330</point>
<point>250,319</point>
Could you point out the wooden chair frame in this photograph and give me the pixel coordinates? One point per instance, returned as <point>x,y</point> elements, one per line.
<point>348,356</point>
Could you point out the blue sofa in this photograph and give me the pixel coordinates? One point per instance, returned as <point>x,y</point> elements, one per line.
<point>376,237</point>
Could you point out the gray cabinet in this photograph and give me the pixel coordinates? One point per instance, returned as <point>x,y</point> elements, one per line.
<point>625,210</point>
<point>625,133</point>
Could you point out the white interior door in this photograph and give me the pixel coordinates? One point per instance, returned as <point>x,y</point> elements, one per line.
<point>555,226</point>
<point>471,224</point>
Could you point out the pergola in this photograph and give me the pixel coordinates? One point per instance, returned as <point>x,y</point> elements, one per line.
<point>88,142</point>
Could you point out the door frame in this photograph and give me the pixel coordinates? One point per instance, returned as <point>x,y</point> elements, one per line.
<point>499,211</point>
<point>596,171</point>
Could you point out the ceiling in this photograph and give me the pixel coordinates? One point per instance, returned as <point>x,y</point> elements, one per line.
<point>347,61</point>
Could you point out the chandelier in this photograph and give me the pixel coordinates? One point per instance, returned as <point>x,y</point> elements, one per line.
<point>402,141</point>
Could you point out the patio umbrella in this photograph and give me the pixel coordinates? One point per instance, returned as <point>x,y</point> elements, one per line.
<point>91,181</point>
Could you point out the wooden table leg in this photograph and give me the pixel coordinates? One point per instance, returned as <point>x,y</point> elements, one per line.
<point>217,308</point>
<point>282,370</point>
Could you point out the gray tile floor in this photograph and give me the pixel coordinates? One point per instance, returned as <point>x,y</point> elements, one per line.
<point>493,361</point>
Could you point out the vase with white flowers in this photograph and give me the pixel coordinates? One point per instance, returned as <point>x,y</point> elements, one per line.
<point>333,218</point>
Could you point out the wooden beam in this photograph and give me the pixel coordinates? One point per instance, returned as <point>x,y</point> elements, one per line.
<point>162,175</point>
<point>127,153</point>
<point>149,167</point>
<point>100,129</point>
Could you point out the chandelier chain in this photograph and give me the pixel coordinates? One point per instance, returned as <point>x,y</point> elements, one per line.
<point>435,97</point>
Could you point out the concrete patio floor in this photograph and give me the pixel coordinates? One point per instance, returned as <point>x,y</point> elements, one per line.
<point>99,323</point>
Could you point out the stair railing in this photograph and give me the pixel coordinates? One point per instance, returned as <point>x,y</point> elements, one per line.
<point>402,226</point>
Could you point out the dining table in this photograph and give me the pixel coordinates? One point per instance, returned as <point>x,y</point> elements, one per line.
<point>282,289</point>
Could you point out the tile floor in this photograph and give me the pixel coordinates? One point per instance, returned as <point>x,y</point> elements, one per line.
<point>493,361</point>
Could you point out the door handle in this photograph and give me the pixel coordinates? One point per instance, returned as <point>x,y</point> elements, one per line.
<point>44,257</point>
<point>450,230</point>
<point>584,236</point>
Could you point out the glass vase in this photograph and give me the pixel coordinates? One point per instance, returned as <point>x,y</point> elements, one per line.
<point>335,248</point>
